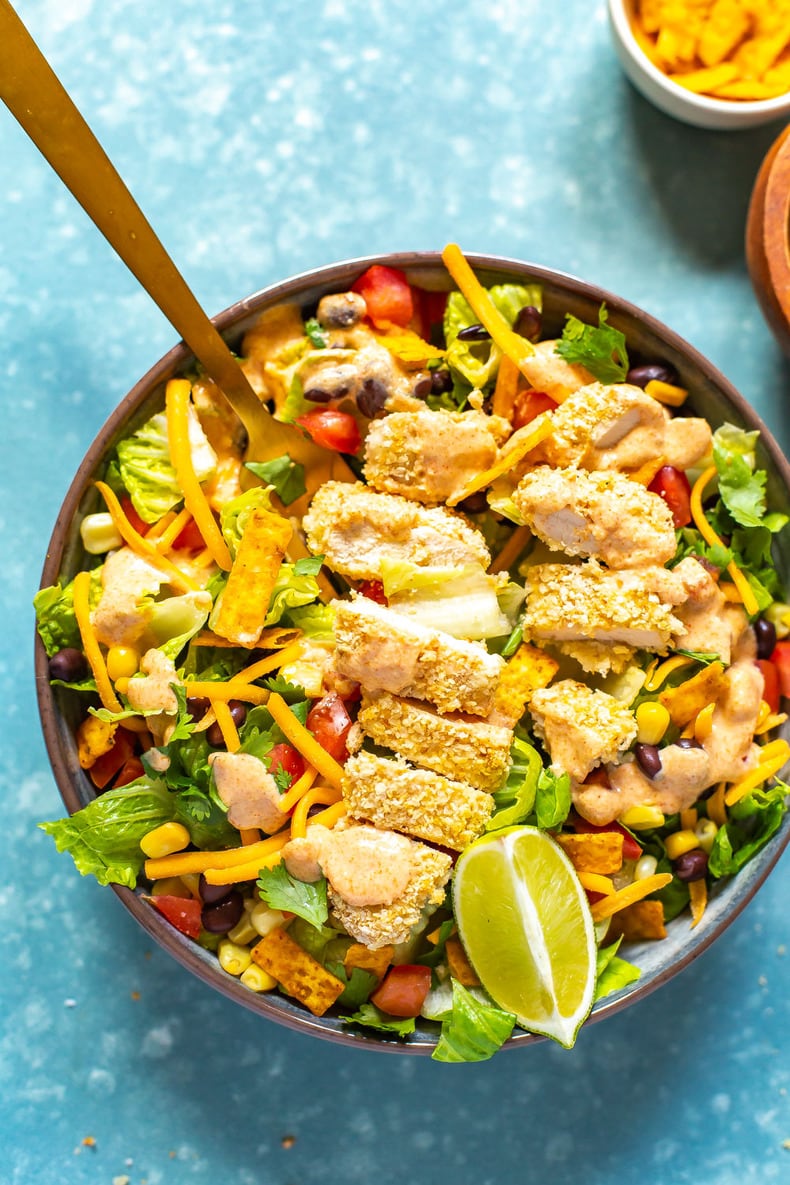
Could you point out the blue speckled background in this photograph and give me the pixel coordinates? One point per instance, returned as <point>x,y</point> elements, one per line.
<point>262,140</point>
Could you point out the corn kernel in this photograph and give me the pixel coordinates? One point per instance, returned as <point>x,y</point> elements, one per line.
<point>680,842</point>
<point>122,686</point>
<point>244,931</point>
<point>705,832</point>
<point>192,882</point>
<point>233,958</point>
<point>164,840</point>
<point>122,662</point>
<point>645,867</point>
<point>170,886</point>
<point>652,721</point>
<point>257,980</point>
<point>99,534</point>
<point>642,818</point>
<point>666,392</point>
<point>264,918</point>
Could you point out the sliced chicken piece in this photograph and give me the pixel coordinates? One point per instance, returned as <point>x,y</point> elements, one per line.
<point>356,527</point>
<point>581,728</point>
<point>428,456</point>
<point>385,651</point>
<point>598,514</point>
<point>619,427</point>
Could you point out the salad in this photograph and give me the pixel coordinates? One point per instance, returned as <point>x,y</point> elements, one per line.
<point>444,736</point>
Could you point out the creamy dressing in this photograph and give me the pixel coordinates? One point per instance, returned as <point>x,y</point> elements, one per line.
<point>248,790</point>
<point>364,865</point>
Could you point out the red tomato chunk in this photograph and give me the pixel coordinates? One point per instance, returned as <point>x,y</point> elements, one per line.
<point>529,405</point>
<point>181,912</point>
<point>771,676</point>
<point>387,294</point>
<point>285,757</point>
<point>328,720</point>
<point>673,486</point>
<point>374,591</point>
<point>332,429</point>
<point>781,660</point>
<point>403,990</point>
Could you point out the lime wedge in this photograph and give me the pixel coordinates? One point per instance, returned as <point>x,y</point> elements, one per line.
<point>525,923</point>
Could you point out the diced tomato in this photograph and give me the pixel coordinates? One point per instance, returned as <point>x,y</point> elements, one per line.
<point>403,990</point>
<point>134,518</point>
<point>328,720</point>
<point>285,757</point>
<point>672,485</point>
<point>631,849</point>
<point>529,404</point>
<point>332,429</point>
<point>374,591</point>
<point>190,539</point>
<point>387,294</point>
<point>771,691</point>
<point>781,660</point>
<point>107,766</point>
<point>181,912</point>
<point>131,770</point>
<point>430,310</point>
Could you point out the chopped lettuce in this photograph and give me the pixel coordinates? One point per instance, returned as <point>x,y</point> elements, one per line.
<point>282,891</point>
<point>552,799</point>
<point>316,622</point>
<point>235,514</point>
<point>460,601</point>
<point>477,362</point>
<point>358,987</point>
<point>514,802</point>
<point>147,472</point>
<point>612,972</point>
<point>55,621</point>
<point>293,588</point>
<point>371,1017</point>
<point>174,621</point>
<point>600,349</point>
<point>283,474</point>
<point>752,822</point>
<point>473,1031</point>
<point>741,485</point>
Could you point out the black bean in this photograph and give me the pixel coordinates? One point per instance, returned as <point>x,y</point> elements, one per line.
<point>211,894</point>
<point>224,915</point>
<point>197,706</point>
<point>691,866</point>
<point>320,395</point>
<point>474,504</point>
<point>441,382</point>
<point>68,664</point>
<point>238,712</point>
<point>662,372</point>
<point>765,634</point>
<point>529,323</point>
<point>423,387</point>
<point>688,743</point>
<point>473,333</point>
<point>648,759</point>
<point>371,398</point>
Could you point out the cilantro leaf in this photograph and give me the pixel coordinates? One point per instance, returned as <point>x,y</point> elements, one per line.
<point>309,565</point>
<point>552,799</point>
<point>371,1018</point>
<point>358,987</point>
<point>291,692</point>
<point>285,475</point>
<point>282,891</point>
<point>314,331</point>
<point>282,779</point>
<point>473,1031</point>
<point>703,656</point>
<point>602,350</point>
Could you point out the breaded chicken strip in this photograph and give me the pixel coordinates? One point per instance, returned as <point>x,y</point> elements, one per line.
<point>600,514</point>
<point>581,728</point>
<point>355,527</point>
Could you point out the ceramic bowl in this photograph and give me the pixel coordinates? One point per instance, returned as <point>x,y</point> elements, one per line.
<point>713,397</point>
<point>701,110</point>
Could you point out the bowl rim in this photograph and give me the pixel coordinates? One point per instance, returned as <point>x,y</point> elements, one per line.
<point>186,952</point>
<point>776,107</point>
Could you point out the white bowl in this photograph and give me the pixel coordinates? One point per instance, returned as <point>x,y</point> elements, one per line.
<point>700,110</point>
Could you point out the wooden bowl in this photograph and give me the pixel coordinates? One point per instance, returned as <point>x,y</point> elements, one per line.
<point>768,238</point>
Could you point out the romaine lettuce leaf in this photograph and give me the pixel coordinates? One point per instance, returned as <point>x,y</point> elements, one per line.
<point>753,821</point>
<point>55,621</point>
<point>602,349</point>
<point>292,590</point>
<point>460,601</point>
<point>514,801</point>
<point>174,621</point>
<point>552,799</point>
<point>371,1018</point>
<point>477,362</point>
<point>741,485</point>
<point>234,514</point>
<point>473,1031</point>
<point>316,622</point>
<point>612,972</point>
<point>147,472</point>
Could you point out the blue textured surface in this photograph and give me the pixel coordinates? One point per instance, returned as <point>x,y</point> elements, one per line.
<point>262,140</point>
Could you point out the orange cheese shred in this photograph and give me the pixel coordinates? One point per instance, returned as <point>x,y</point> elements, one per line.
<point>514,450</point>
<point>224,718</point>
<point>506,389</point>
<point>82,612</point>
<point>182,863</point>
<point>517,348</point>
<point>712,539</point>
<point>304,741</point>
<point>627,896</point>
<point>141,545</point>
<point>325,795</point>
<point>177,395</point>
<point>231,689</point>
<point>300,787</point>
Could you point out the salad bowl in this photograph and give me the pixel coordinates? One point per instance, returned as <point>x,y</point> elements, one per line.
<point>711,397</point>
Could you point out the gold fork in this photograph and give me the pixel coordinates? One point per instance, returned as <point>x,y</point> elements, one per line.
<point>37,99</point>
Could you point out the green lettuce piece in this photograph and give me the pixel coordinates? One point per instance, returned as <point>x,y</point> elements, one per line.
<point>478,362</point>
<point>514,801</point>
<point>371,1018</point>
<point>612,972</point>
<point>292,590</point>
<point>752,823</point>
<point>173,621</point>
<point>147,472</point>
<point>104,837</point>
<point>283,474</point>
<point>316,622</point>
<point>601,350</point>
<point>259,733</point>
<point>552,799</point>
<point>473,1031</point>
<point>235,514</point>
<point>462,601</point>
<point>280,890</point>
<point>55,621</point>
<point>741,486</point>
<point>318,941</point>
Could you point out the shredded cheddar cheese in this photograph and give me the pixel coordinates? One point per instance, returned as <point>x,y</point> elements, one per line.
<point>698,899</point>
<point>182,863</point>
<point>231,689</point>
<point>712,539</point>
<point>82,612</point>
<point>299,787</point>
<point>768,767</point>
<point>517,348</point>
<point>304,741</point>
<point>514,450</point>
<point>627,896</point>
<point>323,795</point>
<point>177,395</point>
<point>141,544</point>
<point>227,724</point>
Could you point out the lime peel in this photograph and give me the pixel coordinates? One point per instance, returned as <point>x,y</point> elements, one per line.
<point>525,923</point>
